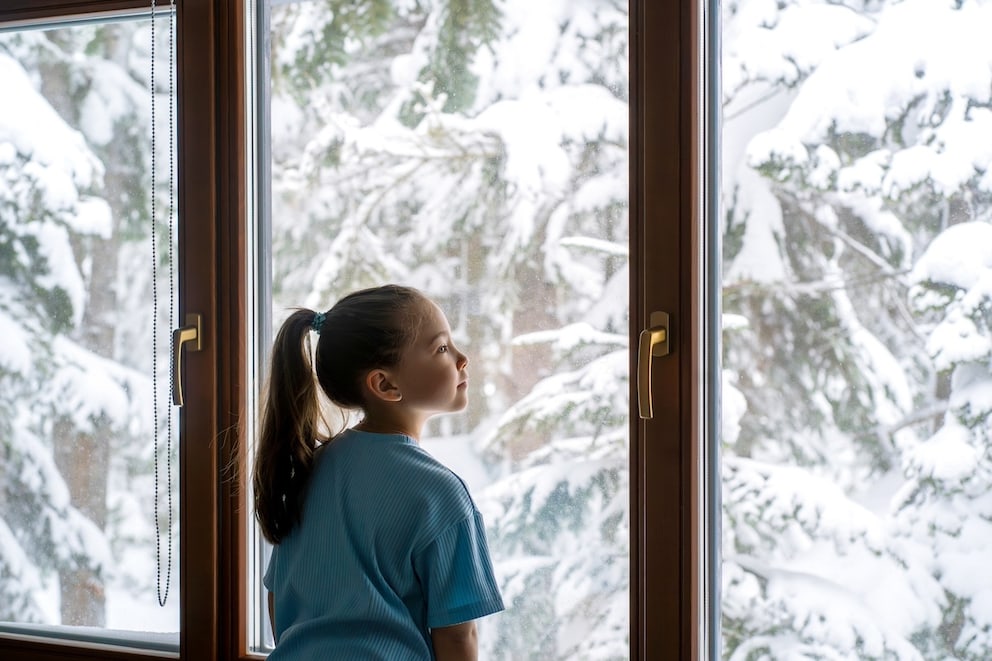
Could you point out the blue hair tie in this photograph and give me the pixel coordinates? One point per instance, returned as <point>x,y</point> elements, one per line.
<point>318,321</point>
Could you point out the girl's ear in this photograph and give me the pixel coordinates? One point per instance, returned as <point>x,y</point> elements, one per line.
<point>381,387</point>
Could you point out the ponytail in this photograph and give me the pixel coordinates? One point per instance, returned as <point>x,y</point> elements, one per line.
<point>290,420</point>
<point>365,330</point>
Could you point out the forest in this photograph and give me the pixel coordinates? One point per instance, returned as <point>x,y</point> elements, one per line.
<point>478,150</point>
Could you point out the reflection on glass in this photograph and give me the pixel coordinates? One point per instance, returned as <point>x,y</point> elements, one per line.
<point>857,294</point>
<point>482,157</point>
<point>77,483</point>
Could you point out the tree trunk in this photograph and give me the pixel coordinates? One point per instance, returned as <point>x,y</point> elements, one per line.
<point>83,459</point>
<point>83,455</point>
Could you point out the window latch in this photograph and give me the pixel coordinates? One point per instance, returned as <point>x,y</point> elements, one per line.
<point>653,342</point>
<point>189,336</point>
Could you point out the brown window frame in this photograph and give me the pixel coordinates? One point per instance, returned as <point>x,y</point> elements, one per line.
<point>211,192</point>
<point>666,232</point>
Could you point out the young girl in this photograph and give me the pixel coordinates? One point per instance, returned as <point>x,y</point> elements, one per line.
<point>379,550</point>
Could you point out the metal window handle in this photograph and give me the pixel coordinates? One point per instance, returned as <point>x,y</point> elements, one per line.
<point>653,342</point>
<point>190,336</point>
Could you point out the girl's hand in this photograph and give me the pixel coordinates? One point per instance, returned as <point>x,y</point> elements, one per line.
<point>456,643</point>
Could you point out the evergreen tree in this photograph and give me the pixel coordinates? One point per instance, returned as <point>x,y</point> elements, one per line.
<point>947,500</point>
<point>404,188</point>
<point>419,147</point>
<point>864,148</point>
<point>558,522</point>
<point>50,177</point>
<point>466,170</point>
<point>77,217</point>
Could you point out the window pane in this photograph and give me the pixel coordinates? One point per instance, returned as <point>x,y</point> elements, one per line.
<point>857,329</point>
<point>77,368</point>
<point>482,157</point>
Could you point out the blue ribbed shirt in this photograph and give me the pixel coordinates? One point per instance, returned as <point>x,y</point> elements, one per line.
<point>389,546</point>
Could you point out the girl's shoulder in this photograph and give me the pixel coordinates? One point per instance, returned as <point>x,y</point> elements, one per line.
<point>397,458</point>
<point>430,473</point>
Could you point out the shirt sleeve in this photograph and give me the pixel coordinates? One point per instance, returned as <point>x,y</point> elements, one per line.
<point>456,574</point>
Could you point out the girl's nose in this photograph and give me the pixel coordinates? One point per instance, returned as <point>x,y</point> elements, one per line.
<point>462,361</point>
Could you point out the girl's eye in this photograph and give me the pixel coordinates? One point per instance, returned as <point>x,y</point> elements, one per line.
<point>443,348</point>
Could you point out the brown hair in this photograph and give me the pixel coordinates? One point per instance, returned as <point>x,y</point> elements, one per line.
<point>365,330</point>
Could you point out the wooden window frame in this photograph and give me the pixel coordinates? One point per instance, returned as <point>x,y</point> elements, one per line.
<point>666,232</point>
<point>211,156</point>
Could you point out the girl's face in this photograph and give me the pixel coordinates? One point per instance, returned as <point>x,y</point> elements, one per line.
<point>431,374</point>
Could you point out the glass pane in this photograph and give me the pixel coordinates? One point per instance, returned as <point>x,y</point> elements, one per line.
<point>80,355</point>
<point>857,329</point>
<point>478,151</point>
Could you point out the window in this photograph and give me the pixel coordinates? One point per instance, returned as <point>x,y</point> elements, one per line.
<point>857,331</point>
<point>83,548</point>
<point>212,232</point>
<point>205,422</point>
<point>481,156</point>
<point>484,158</point>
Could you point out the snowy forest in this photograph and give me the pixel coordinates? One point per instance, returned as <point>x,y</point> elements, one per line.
<point>477,149</point>
<point>857,294</point>
<point>77,421</point>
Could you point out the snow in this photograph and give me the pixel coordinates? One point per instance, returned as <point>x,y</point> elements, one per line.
<point>571,336</point>
<point>867,173</point>
<point>888,130</point>
<point>530,39</point>
<point>853,550</point>
<point>93,216</point>
<point>63,273</point>
<point>880,367</point>
<point>757,260</point>
<point>36,130</point>
<point>733,406</point>
<point>957,340</point>
<point>534,127</point>
<point>113,99</point>
<point>595,244</point>
<point>15,354</point>
<point>801,501</point>
<point>92,388</point>
<point>963,563</point>
<point>15,565</point>
<point>883,223</point>
<point>947,455</point>
<point>40,474</point>
<point>972,392</point>
<point>825,613</point>
<point>785,41</point>
<point>959,256</point>
<point>456,453</point>
<point>953,62</point>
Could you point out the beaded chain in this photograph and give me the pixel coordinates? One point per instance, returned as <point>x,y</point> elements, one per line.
<point>163,595</point>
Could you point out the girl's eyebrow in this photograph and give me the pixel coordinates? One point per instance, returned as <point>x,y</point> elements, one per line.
<point>438,336</point>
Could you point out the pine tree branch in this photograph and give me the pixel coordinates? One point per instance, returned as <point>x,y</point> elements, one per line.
<point>752,104</point>
<point>811,287</point>
<point>863,250</point>
<point>933,410</point>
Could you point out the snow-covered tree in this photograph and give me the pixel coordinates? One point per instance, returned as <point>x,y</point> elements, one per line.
<point>947,501</point>
<point>396,179</point>
<point>49,176</point>
<point>440,144</point>
<point>855,131</point>
<point>75,227</point>
<point>558,521</point>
